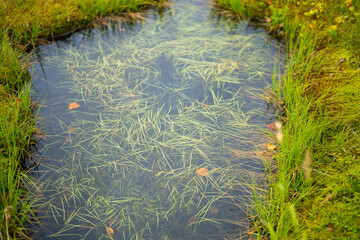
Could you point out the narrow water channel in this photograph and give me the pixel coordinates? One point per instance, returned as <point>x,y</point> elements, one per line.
<point>151,128</point>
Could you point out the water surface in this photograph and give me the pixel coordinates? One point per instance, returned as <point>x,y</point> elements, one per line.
<point>159,98</point>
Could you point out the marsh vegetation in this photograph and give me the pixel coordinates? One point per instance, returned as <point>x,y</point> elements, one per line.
<point>156,100</point>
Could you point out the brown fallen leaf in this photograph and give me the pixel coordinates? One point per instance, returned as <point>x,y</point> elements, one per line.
<point>73,105</point>
<point>191,220</point>
<point>274,126</point>
<point>271,146</point>
<point>213,210</point>
<point>203,172</point>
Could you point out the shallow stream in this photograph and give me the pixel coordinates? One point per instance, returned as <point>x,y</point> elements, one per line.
<point>131,110</point>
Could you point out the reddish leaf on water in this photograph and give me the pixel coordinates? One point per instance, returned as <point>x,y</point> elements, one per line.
<point>274,125</point>
<point>73,105</point>
<point>203,172</point>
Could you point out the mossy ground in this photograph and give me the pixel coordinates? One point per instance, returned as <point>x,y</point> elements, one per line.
<point>328,78</point>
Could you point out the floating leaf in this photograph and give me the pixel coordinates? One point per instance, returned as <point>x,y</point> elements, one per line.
<point>110,230</point>
<point>274,126</point>
<point>271,146</point>
<point>73,105</point>
<point>203,172</point>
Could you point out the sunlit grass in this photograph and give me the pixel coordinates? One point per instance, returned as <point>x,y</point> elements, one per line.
<point>318,95</point>
<point>16,128</point>
<point>25,21</point>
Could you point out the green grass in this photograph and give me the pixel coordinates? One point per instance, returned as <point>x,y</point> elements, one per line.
<point>16,129</point>
<point>25,21</point>
<point>319,95</point>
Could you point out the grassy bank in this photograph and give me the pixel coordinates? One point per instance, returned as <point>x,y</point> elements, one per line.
<point>23,24</point>
<point>16,128</point>
<point>315,189</point>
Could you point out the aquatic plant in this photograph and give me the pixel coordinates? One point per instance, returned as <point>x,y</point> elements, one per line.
<point>155,107</point>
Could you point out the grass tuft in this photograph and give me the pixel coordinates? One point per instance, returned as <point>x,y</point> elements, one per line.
<point>319,90</point>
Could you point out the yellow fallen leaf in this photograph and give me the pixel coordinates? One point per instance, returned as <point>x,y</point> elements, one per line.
<point>110,230</point>
<point>73,105</point>
<point>271,146</point>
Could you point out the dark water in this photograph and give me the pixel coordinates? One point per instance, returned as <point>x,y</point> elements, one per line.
<point>158,99</point>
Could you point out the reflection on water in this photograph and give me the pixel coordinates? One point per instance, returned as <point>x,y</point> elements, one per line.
<point>159,99</point>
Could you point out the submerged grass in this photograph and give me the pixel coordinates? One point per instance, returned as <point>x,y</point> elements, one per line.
<point>22,24</point>
<point>319,94</point>
<point>154,107</point>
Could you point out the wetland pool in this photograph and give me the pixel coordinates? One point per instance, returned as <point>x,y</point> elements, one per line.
<point>131,110</point>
